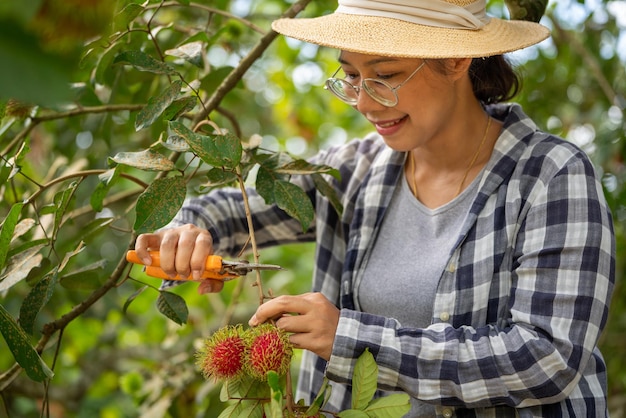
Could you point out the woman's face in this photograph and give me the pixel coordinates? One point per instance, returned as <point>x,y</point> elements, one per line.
<point>425,101</point>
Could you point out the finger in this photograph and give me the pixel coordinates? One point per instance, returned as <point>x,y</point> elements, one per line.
<point>210,286</point>
<point>308,341</point>
<point>144,243</point>
<point>313,334</point>
<point>188,241</point>
<point>293,323</point>
<point>203,247</point>
<point>276,308</point>
<point>168,249</point>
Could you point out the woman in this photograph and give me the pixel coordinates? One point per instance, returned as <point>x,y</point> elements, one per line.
<point>475,254</point>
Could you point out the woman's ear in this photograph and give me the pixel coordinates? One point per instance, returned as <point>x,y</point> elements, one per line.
<point>457,67</point>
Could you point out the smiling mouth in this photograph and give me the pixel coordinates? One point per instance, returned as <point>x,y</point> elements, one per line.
<point>390,123</point>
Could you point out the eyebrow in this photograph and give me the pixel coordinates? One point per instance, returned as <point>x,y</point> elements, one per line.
<point>370,62</point>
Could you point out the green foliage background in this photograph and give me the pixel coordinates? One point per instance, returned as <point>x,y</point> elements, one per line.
<point>120,353</point>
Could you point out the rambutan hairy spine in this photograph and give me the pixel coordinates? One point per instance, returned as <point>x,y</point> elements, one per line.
<point>268,349</point>
<point>223,354</point>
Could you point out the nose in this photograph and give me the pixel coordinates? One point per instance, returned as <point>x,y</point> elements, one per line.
<point>365,103</point>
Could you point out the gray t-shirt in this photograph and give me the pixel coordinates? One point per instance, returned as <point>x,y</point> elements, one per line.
<point>409,256</point>
<point>407,260</point>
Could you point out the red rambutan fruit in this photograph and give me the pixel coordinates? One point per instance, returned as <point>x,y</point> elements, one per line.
<point>268,349</point>
<point>223,354</point>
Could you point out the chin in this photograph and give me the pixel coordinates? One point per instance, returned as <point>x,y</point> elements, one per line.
<point>398,144</point>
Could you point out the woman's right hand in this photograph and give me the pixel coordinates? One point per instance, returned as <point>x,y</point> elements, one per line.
<point>184,251</point>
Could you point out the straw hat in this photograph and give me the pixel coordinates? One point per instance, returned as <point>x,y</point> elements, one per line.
<point>415,28</point>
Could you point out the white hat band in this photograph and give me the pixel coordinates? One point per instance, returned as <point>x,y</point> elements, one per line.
<point>424,12</point>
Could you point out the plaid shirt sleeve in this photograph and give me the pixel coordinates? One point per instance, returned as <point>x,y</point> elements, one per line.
<point>522,302</point>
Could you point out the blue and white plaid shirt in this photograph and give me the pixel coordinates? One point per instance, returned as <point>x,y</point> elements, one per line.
<point>522,301</point>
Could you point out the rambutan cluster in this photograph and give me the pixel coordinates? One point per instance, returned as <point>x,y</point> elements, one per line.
<point>232,352</point>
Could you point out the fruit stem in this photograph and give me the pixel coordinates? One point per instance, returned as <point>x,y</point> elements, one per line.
<point>255,253</point>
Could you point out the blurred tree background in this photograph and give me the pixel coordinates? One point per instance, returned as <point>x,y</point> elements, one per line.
<point>75,81</point>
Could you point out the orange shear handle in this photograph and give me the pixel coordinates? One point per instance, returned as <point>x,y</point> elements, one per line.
<point>213,268</point>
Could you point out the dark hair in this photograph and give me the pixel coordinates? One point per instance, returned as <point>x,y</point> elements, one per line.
<point>493,79</point>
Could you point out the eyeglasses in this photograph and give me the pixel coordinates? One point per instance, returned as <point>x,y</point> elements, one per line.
<point>378,90</point>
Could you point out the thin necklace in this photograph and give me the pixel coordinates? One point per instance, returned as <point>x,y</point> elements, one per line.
<point>469,166</point>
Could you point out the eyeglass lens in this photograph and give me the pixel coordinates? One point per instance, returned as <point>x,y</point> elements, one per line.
<point>376,89</point>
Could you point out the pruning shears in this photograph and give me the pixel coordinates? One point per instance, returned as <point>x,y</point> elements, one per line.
<point>215,268</point>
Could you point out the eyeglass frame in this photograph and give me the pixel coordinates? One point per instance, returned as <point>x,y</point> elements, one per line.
<point>331,80</point>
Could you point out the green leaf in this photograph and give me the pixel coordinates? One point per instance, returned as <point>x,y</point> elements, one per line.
<point>157,105</point>
<point>143,62</point>
<point>244,409</point>
<point>230,411</point>
<point>329,191</point>
<point>6,232</point>
<point>127,15</point>
<point>95,226</point>
<point>251,409</point>
<point>364,380</point>
<point>106,180</point>
<point>275,408</point>
<point>352,413</point>
<point>322,397</point>
<point>265,180</point>
<point>24,353</point>
<point>36,299</point>
<point>132,297</point>
<point>237,388</point>
<point>271,410</point>
<point>68,255</point>
<point>158,204</point>
<point>103,72</point>
<point>176,143</point>
<point>87,278</point>
<point>173,307</point>
<point>273,380</point>
<point>22,227</point>
<point>215,150</point>
<point>62,201</point>
<point>144,160</point>
<point>27,245</point>
<point>304,167</point>
<point>5,170</point>
<point>20,266</point>
<point>391,406</point>
<point>293,200</point>
<point>179,107</point>
<point>267,176</point>
<point>192,52</point>
<point>218,177</point>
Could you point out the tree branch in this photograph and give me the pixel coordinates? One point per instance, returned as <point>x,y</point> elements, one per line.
<point>237,73</point>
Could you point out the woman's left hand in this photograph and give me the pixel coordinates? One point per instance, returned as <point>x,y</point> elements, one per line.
<point>310,318</point>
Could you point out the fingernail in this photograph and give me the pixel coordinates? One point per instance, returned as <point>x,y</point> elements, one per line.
<point>197,275</point>
<point>253,322</point>
<point>147,261</point>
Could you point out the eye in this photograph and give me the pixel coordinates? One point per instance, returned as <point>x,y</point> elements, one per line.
<point>386,76</point>
<point>351,76</point>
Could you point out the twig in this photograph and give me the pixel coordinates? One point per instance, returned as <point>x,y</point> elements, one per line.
<point>36,120</point>
<point>211,10</point>
<point>255,253</point>
<point>237,73</point>
<point>81,174</point>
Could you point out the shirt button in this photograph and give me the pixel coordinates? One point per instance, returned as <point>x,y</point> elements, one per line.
<point>451,268</point>
<point>447,412</point>
<point>444,316</point>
